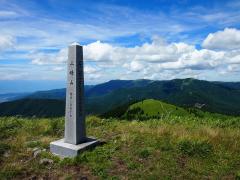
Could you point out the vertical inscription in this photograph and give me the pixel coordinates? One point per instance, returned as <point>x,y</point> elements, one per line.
<point>71,73</point>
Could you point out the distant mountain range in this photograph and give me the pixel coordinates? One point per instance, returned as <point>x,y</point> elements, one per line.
<point>12,96</point>
<point>219,97</point>
<point>33,107</point>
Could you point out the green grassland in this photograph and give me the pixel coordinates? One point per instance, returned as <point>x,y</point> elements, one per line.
<point>155,109</point>
<point>173,147</point>
<point>151,108</point>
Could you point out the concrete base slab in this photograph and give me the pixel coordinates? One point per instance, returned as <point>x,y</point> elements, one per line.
<point>63,149</point>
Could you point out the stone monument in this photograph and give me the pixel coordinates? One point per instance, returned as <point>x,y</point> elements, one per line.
<point>75,140</point>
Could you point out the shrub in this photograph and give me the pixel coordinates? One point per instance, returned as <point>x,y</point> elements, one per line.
<point>237,176</point>
<point>191,148</point>
<point>144,153</point>
<point>9,127</point>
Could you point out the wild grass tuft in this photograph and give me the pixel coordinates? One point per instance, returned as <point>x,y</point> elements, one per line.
<point>195,148</point>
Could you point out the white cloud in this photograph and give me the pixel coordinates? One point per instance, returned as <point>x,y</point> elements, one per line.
<point>7,14</point>
<point>155,60</point>
<point>149,57</point>
<point>6,42</point>
<point>90,70</point>
<point>93,76</point>
<point>163,55</point>
<point>156,51</point>
<point>98,51</point>
<point>13,76</point>
<point>233,68</point>
<point>135,66</point>
<point>58,68</point>
<point>228,39</point>
<point>49,58</point>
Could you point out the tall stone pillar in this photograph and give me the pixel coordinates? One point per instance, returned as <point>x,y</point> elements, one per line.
<point>75,131</point>
<point>75,139</point>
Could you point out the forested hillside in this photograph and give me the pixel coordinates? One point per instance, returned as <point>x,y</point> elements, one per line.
<point>217,97</point>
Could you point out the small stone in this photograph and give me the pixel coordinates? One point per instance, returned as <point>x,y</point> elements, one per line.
<point>6,154</point>
<point>33,178</point>
<point>46,161</point>
<point>36,153</point>
<point>35,149</point>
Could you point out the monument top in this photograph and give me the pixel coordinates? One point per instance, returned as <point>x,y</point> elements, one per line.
<point>75,44</point>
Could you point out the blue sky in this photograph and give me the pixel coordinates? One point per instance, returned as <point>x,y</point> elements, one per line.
<point>154,39</point>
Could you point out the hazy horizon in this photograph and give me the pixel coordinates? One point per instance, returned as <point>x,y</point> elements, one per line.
<point>16,86</point>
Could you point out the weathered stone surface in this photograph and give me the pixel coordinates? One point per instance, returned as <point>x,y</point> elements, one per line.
<point>36,153</point>
<point>70,150</point>
<point>46,161</point>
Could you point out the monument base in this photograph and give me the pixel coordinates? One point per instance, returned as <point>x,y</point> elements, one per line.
<point>64,149</point>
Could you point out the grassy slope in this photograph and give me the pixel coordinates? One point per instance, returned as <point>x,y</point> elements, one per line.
<point>173,148</point>
<point>154,108</point>
<point>151,108</point>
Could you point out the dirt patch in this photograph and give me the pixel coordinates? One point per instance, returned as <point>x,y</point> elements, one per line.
<point>75,172</point>
<point>118,167</point>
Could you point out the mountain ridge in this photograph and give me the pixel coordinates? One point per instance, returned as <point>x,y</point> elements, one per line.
<point>217,97</point>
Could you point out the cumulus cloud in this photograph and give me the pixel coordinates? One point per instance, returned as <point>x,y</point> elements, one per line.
<point>156,55</point>
<point>156,51</point>
<point>49,58</point>
<point>98,51</point>
<point>136,66</point>
<point>150,60</point>
<point>228,39</point>
<point>159,53</point>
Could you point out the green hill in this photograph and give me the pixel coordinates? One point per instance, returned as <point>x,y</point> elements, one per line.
<point>155,109</point>
<point>151,108</point>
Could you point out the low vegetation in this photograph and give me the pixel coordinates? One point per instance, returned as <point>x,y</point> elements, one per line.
<point>173,147</point>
